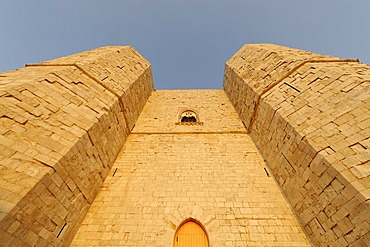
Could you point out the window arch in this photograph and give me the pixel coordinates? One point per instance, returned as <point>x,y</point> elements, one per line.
<point>188,117</point>
<point>190,233</point>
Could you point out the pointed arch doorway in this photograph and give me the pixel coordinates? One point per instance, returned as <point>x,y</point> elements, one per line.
<point>190,234</point>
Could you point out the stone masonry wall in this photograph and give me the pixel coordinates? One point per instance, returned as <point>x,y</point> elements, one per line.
<point>168,173</point>
<point>310,115</point>
<point>62,125</point>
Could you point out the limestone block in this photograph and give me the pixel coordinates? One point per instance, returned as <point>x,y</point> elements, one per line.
<point>307,115</point>
<point>167,173</point>
<point>58,141</point>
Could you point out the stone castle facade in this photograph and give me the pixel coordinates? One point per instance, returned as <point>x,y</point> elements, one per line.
<point>92,155</point>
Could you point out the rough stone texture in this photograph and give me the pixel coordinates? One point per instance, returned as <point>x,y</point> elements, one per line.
<point>62,125</point>
<point>162,111</point>
<point>310,115</point>
<point>167,173</point>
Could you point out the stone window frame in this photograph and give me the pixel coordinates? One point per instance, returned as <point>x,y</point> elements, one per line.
<point>190,110</point>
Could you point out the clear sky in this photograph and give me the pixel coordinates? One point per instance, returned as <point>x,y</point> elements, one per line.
<point>186,41</point>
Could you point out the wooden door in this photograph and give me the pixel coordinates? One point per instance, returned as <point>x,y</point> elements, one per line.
<point>191,234</point>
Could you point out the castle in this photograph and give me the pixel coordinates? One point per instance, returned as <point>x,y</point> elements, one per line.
<point>92,155</point>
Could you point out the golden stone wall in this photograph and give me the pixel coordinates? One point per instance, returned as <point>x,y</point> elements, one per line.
<point>62,125</point>
<point>211,173</point>
<point>87,135</point>
<point>310,115</point>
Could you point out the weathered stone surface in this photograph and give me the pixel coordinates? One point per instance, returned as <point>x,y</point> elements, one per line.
<point>167,173</point>
<point>62,124</point>
<point>305,124</point>
<point>309,116</point>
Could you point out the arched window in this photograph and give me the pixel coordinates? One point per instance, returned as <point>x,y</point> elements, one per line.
<point>189,117</point>
<point>192,234</point>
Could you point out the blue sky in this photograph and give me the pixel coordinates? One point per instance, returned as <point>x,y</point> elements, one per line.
<point>187,42</point>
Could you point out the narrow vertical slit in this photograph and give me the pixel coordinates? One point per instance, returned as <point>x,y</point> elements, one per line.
<point>61,230</point>
<point>114,173</point>
<point>267,173</point>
